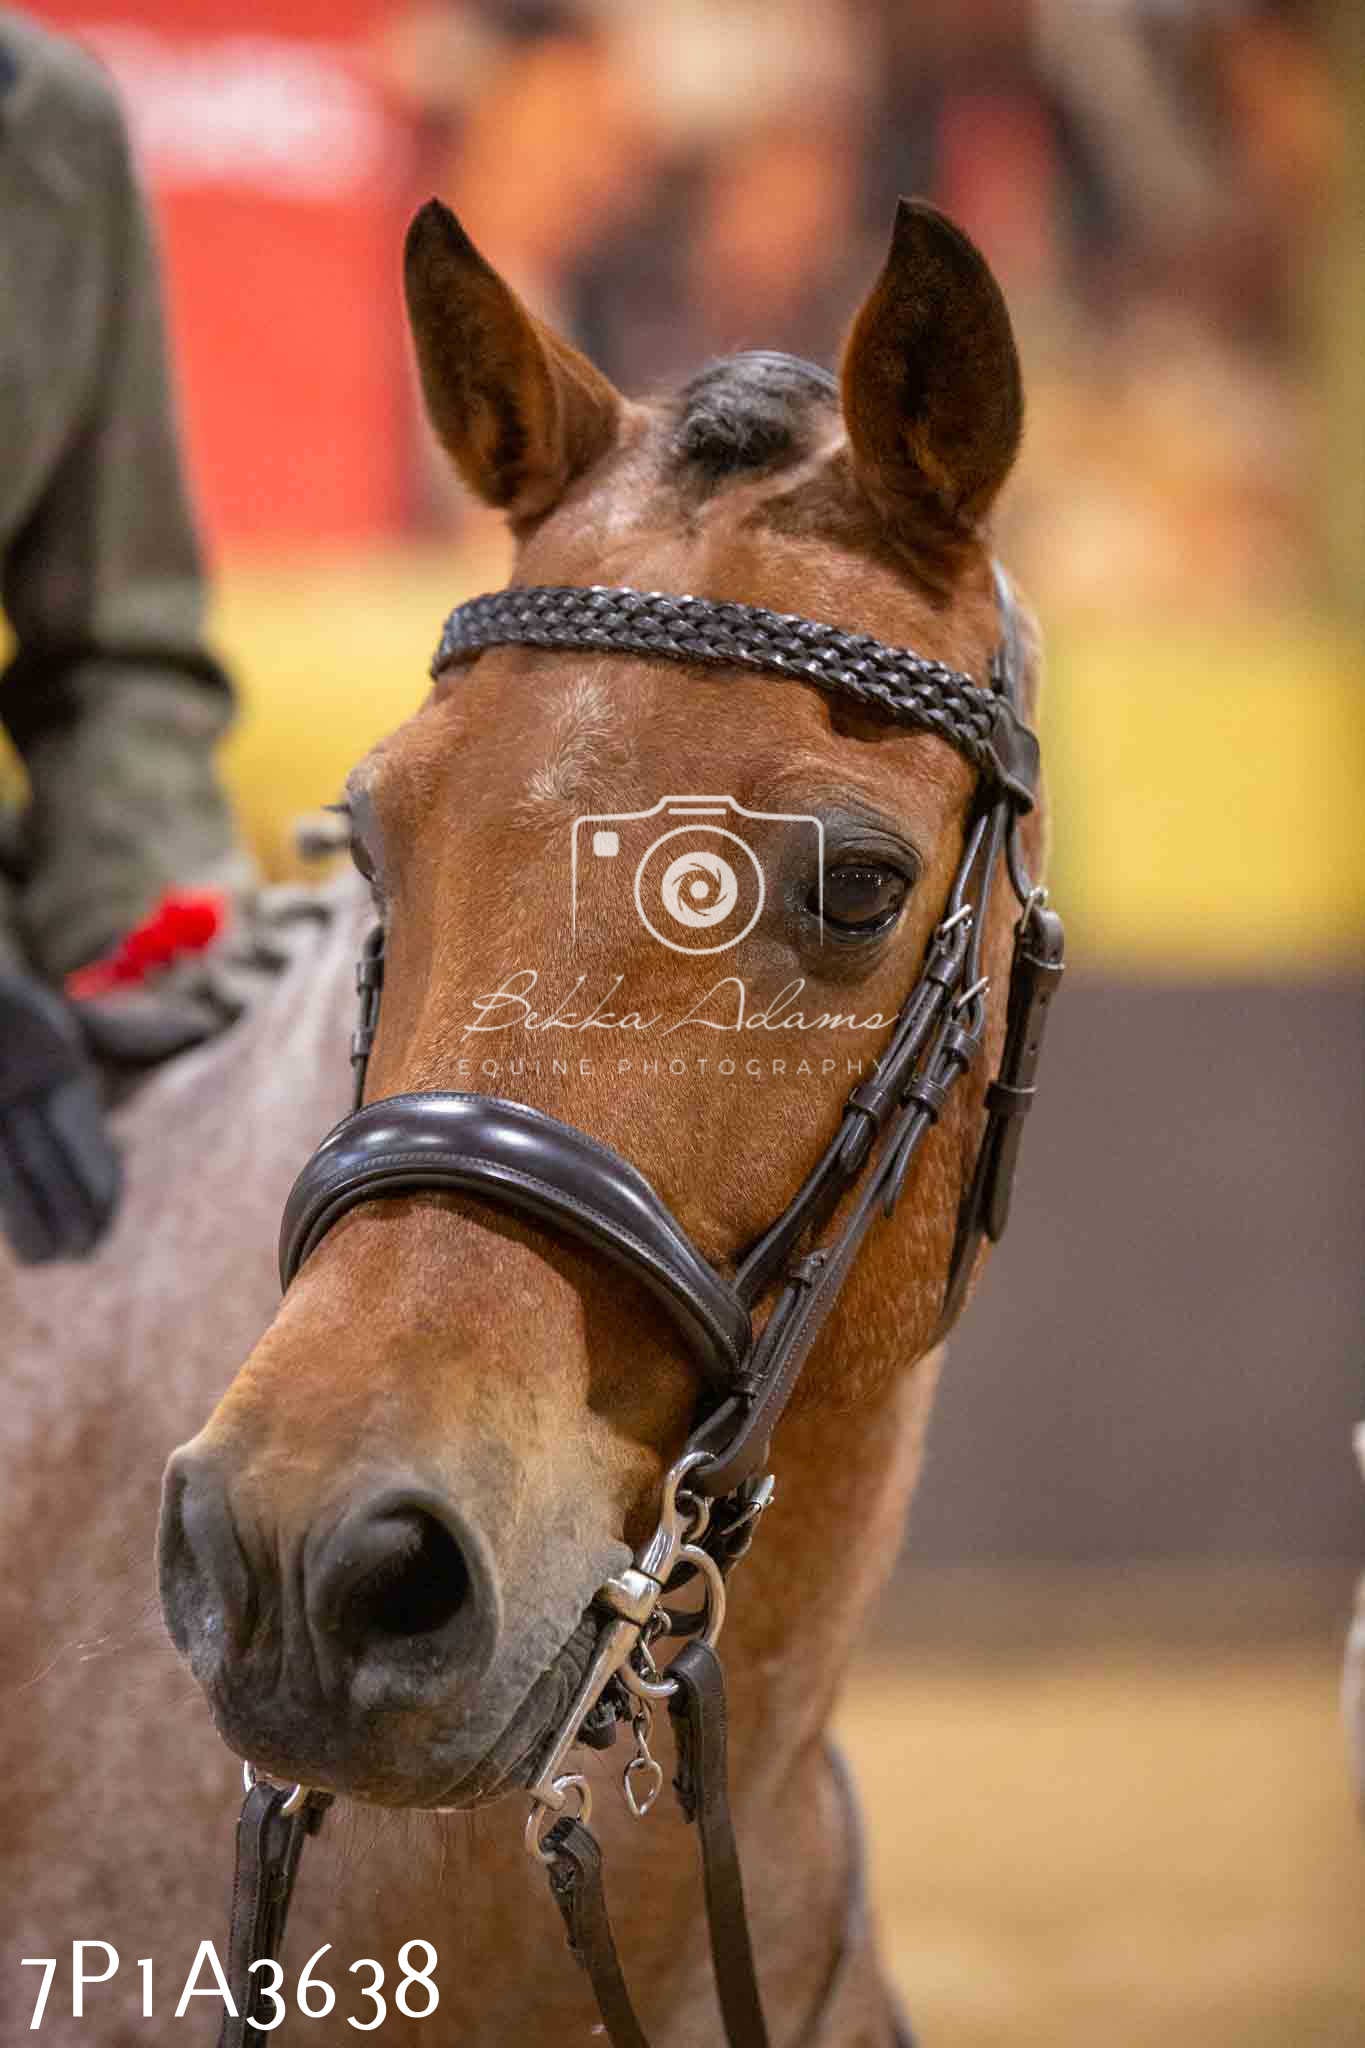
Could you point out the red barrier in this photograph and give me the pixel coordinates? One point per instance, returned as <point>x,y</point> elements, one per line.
<point>278,176</point>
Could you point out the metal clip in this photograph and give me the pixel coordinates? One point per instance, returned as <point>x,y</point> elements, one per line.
<point>630,1601</point>
<point>639,1674</point>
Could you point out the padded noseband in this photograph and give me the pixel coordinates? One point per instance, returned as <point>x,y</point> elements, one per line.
<point>535,1165</point>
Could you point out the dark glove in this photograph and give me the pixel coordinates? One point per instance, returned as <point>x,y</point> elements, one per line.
<point>59,1172</point>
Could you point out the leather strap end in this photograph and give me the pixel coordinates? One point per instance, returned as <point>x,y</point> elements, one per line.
<point>576,1887</point>
<point>269,1844</point>
<point>700,1721</point>
<point>1013,756</point>
<point>1037,971</point>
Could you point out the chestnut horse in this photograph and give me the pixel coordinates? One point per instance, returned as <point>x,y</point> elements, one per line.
<point>381,1551</point>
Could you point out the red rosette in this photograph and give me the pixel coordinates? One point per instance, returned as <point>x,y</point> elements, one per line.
<point>181,922</point>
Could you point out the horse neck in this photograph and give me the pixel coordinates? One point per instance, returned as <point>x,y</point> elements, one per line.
<point>799,1599</point>
<point>820,1556</point>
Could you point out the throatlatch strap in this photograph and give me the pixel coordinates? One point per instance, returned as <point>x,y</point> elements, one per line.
<point>269,1844</point>
<point>697,1709</point>
<point>576,1884</point>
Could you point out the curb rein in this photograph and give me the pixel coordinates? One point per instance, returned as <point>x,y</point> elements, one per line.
<point>521,1158</point>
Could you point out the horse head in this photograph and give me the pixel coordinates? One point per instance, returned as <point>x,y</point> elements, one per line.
<point>382,1551</point>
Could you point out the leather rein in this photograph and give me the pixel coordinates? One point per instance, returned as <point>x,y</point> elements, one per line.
<point>520,1158</point>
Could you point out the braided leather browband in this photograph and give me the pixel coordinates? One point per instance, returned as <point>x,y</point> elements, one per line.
<point>909,688</point>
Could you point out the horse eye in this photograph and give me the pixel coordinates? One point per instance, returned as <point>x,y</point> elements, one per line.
<point>862,896</point>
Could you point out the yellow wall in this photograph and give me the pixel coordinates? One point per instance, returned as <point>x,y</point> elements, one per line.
<point>1209,793</point>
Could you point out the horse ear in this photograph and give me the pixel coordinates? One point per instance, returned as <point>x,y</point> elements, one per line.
<point>520,411</point>
<point>932,395</point>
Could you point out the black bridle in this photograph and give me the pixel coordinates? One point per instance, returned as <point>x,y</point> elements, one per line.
<point>522,1159</point>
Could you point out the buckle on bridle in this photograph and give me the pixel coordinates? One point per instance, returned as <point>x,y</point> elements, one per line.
<point>976,993</point>
<point>962,915</point>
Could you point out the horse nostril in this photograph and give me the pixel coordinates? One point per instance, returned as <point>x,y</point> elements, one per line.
<point>417,1583</point>
<point>206,1590</point>
<point>400,1575</point>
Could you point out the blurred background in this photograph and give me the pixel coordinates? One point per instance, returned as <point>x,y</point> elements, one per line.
<point>1103,1683</point>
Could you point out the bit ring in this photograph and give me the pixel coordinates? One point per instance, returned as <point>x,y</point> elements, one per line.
<point>544,1814</point>
<point>297,1793</point>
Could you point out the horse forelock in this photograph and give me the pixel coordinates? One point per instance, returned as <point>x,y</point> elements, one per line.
<point>753,411</point>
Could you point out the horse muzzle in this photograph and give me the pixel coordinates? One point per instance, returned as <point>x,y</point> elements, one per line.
<point>316,1653</point>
